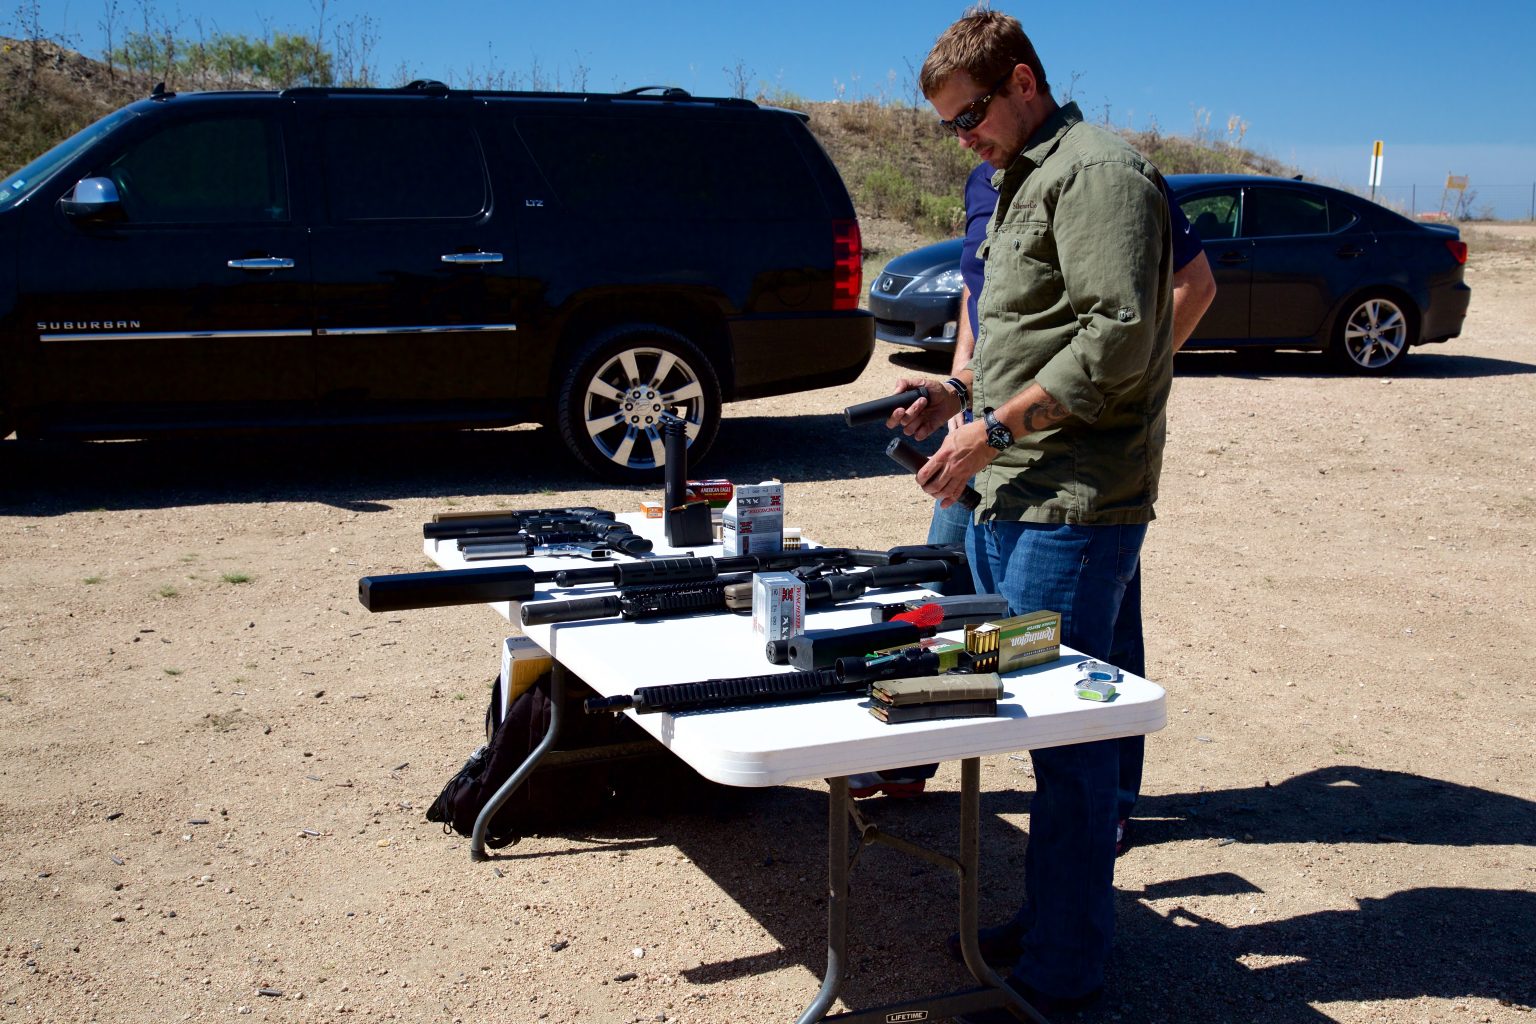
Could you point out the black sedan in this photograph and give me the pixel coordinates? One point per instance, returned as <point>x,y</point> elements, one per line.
<point>1297,266</point>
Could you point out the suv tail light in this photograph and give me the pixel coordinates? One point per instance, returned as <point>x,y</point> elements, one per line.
<point>847,264</point>
<point>1458,249</point>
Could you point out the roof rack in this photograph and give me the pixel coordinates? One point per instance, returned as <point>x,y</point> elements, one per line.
<point>423,86</point>
<point>431,87</point>
<point>667,92</point>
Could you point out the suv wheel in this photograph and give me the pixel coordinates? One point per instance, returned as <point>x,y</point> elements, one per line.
<point>614,396</point>
<point>1373,335</point>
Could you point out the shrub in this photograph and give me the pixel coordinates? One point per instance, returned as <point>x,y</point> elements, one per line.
<point>889,192</point>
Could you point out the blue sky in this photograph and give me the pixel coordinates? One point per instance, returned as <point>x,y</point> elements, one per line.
<point>1446,87</point>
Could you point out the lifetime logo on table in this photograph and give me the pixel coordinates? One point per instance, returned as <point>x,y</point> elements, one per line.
<point>906,1016</point>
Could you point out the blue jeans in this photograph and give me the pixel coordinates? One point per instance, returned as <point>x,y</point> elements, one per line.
<point>950,525</point>
<point>1068,916</point>
<point>1129,652</point>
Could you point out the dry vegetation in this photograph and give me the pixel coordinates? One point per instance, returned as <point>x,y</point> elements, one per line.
<point>904,175</point>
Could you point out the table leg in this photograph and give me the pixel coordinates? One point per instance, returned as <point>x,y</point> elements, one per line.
<point>502,795</point>
<point>993,991</point>
<point>837,900</point>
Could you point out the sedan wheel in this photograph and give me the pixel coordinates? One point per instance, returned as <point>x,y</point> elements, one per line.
<point>619,390</point>
<point>1374,337</point>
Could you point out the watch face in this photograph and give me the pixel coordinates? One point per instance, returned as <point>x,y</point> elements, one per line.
<point>998,435</point>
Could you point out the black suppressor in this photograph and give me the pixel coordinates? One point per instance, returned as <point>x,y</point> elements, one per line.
<point>405,590</point>
<point>880,409</point>
<point>909,457</point>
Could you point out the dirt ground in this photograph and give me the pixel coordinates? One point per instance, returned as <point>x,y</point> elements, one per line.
<point>215,762</point>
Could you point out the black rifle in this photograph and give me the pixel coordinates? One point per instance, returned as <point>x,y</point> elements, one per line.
<point>849,678</point>
<point>402,591</point>
<point>685,599</point>
<point>570,524</point>
<point>485,524</point>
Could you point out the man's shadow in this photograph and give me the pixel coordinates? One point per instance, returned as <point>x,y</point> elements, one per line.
<point>1439,941</point>
<point>1342,804</point>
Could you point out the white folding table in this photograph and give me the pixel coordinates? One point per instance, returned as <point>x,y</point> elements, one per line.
<point>774,744</point>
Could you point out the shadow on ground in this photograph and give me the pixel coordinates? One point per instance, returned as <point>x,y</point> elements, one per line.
<point>1429,363</point>
<point>364,471</point>
<point>767,850</point>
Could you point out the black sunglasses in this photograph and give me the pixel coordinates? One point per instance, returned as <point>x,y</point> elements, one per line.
<point>975,112</point>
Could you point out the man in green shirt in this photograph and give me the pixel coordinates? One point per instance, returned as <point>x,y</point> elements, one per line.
<point>1068,385</point>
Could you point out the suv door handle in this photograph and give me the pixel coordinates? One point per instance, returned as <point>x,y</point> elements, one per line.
<point>262,263</point>
<point>1232,256</point>
<point>469,259</point>
<point>1349,252</point>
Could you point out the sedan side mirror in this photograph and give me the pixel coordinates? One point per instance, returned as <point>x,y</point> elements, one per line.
<point>93,200</point>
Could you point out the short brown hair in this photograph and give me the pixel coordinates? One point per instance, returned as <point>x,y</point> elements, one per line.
<point>985,44</point>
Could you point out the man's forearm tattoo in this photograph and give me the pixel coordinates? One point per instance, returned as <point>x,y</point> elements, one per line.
<point>1045,413</point>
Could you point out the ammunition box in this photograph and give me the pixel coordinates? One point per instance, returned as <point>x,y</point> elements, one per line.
<point>1023,640</point>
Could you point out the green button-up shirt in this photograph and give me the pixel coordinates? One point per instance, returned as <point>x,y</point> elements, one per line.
<point>1077,297</point>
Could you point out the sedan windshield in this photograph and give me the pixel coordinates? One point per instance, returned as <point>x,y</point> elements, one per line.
<point>15,187</point>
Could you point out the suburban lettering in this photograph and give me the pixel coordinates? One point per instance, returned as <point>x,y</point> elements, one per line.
<point>89,325</point>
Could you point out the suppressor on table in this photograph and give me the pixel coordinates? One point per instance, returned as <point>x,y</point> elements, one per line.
<point>401,591</point>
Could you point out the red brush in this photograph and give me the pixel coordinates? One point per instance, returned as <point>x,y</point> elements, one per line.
<point>925,617</point>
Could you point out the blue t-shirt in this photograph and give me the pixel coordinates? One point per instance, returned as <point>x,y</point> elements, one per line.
<point>981,200</point>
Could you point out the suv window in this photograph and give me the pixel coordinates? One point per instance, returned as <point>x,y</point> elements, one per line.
<point>402,167</point>
<point>218,170</point>
<point>14,186</point>
<point>1272,211</point>
<point>1213,215</point>
<point>682,174</point>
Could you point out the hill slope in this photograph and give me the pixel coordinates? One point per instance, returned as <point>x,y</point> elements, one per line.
<point>905,176</point>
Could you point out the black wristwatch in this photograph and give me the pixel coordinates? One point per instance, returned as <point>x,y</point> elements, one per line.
<point>998,435</point>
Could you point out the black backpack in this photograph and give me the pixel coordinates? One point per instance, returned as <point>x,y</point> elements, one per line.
<point>567,787</point>
<point>508,744</point>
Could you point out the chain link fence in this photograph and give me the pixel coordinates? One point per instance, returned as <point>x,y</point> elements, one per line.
<point>1476,202</point>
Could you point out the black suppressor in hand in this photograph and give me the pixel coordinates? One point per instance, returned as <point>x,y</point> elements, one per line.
<point>909,457</point>
<point>880,409</point>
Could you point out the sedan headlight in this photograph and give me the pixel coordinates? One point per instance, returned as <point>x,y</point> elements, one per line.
<point>949,281</point>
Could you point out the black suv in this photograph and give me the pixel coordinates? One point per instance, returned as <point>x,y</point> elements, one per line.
<point>426,255</point>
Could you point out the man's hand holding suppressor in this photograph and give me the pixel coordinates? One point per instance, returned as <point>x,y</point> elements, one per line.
<point>963,454</point>
<point>926,415</point>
